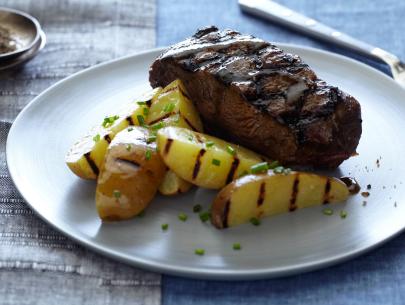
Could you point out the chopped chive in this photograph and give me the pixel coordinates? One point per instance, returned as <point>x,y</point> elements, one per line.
<point>259,168</point>
<point>130,129</point>
<point>108,121</point>
<point>236,246</point>
<point>244,173</point>
<point>168,107</point>
<point>128,147</point>
<point>116,194</point>
<point>96,138</point>
<point>145,111</point>
<point>255,221</point>
<point>274,164</point>
<point>148,154</point>
<point>287,171</point>
<point>182,217</point>
<point>216,162</point>
<point>230,150</point>
<point>190,138</point>
<point>165,226</point>
<point>158,126</point>
<point>141,214</point>
<point>343,214</point>
<point>141,120</point>
<point>151,139</point>
<point>199,251</point>
<point>278,170</point>
<point>209,143</point>
<point>141,103</point>
<point>327,211</point>
<point>204,216</point>
<point>197,208</point>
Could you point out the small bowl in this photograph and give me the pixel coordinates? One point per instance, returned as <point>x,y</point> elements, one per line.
<point>23,29</point>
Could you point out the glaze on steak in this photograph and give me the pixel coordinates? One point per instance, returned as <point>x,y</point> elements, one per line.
<point>254,94</point>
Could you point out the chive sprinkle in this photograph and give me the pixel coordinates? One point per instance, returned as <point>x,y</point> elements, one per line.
<point>230,150</point>
<point>343,214</point>
<point>327,211</point>
<point>255,221</point>
<point>116,194</point>
<point>165,226</point>
<point>182,217</point>
<point>108,121</point>
<point>274,164</point>
<point>216,162</point>
<point>158,126</point>
<point>199,251</point>
<point>130,129</point>
<point>287,171</point>
<point>148,154</point>
<point>141,120</point>
<point>197,208</point>
<point>168,107</point>
<point>278,170</point>
<point>151,139</point>
<point>96,138</point>
<point>204,216</point>
<point>145,111</point>
<point>141,103</point>
<point>128,147</point>
<point>236,246</point>
<point>259,168</point>
<point>209,143</point>
<point>141,214</point>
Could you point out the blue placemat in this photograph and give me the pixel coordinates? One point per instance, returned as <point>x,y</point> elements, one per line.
<point>375,278</point>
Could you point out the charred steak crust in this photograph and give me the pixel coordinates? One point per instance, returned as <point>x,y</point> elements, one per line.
<point>253,93</point>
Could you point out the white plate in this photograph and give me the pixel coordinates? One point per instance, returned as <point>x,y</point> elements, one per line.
<point>282,245</point>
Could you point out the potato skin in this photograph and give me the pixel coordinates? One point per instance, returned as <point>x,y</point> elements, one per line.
<point>256,196</point>
<point>129,176</point>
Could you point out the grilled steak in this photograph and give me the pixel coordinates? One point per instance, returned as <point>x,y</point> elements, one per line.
<point>254,94</point>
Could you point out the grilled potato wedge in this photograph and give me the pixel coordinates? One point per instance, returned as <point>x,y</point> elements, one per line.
<point>130,175</point>
<point>203,160</point>
<point>172,107</point>
<point>255,196</point>
<point>85,156</point>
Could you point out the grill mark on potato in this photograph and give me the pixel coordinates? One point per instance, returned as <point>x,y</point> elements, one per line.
<point>262,193</point>
<point>168,144</point>
<point>170,90</point>
<point>184,93</point>
<point>189,123</point>
<point>107,138</point>
<point>199,139</point>
<point>130,120</point>
<point>294,193</point>
<point>197,164</point>
<point>326,192</point>
<point>92,164</point>
<point>161,118</point>
<point>232,170</point>
<point>226,214</point>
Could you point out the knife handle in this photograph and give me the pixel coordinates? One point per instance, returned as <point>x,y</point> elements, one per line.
<point>284,16</point>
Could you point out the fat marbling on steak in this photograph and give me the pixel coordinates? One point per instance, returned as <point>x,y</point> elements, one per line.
<point>256,95</point>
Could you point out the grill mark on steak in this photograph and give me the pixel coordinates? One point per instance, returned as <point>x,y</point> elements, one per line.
<point>253,93</point>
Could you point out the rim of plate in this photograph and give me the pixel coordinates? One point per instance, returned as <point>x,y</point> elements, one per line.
<point>196,272</point>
